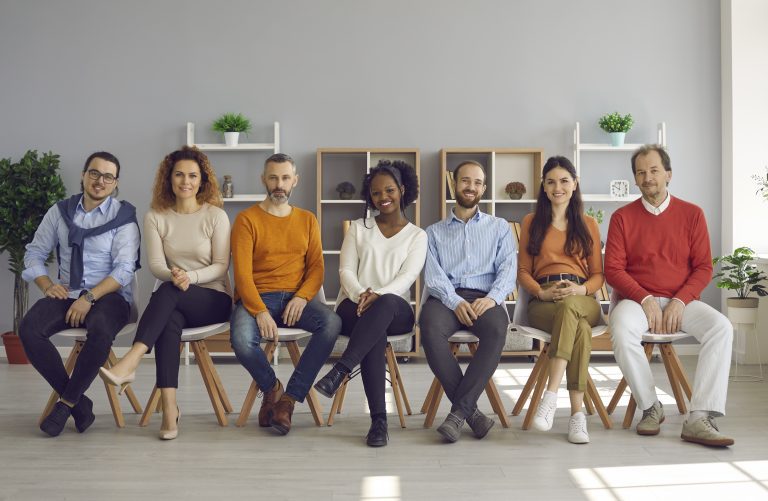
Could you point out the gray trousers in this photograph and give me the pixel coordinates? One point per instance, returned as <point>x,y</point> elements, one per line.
<point>438,323</point>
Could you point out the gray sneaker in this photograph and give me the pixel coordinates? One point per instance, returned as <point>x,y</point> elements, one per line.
<point>451,427</point>
<point>652,419</point>
<point>480,423</point>
<point>704,431</point>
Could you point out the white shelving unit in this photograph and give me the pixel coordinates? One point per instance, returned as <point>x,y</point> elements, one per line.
<point>274,147</point>
<point>579,147</point>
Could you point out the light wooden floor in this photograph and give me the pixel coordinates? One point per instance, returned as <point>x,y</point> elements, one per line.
<point>210,462</point>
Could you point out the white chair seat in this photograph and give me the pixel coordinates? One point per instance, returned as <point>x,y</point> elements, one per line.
<point>206,331</point>
<point>664,338</point>
<point>290,334</point>
<point>534,333</point>
<point>79,334</point>
<point>400,337</point>
<point>463,337</point>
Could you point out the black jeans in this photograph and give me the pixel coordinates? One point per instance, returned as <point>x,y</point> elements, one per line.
<point>438,323</point>
<point>169,311</point>
<point>388,316</point>
<point>46,318</point>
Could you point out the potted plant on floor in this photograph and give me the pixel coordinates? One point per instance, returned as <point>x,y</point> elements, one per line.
<point>27,190</point>
<point>616,126</point>
<point>739,273</point>
<point>515,190</point>
<point>232,124</point>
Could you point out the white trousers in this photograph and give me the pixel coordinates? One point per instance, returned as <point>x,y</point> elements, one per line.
<point>711,328</point>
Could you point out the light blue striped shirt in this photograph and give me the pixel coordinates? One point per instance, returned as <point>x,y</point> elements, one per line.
<point>112,253</point>
<point>478,254</point>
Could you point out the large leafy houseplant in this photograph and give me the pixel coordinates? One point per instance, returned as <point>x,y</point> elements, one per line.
<point>28,189</point>
<point>740,274</point>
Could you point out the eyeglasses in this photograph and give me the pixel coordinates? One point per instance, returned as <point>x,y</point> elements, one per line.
<point>95,175</point>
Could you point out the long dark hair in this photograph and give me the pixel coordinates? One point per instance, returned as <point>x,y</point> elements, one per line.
<point>577,237</point>
<point>404,176</point>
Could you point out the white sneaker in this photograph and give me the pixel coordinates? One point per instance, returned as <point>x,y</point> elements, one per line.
<point>577,429</point>
<point>545,414</point>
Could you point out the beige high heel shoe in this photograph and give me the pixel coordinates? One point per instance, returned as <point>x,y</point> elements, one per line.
<point>114,380</point>
<point>171,434</point>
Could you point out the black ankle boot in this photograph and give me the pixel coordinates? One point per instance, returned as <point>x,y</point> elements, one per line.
<point>83,414</point>
<point>377,434</point>
<point>330,383</point>
<point>54,422</point>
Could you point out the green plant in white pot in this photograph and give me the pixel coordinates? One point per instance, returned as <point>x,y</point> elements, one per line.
<point>231,125</point>
<point>617,126</point>
<point>739,273</point>
<point>27,190</point>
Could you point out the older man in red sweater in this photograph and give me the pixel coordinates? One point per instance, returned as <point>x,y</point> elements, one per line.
<point>658,260</point>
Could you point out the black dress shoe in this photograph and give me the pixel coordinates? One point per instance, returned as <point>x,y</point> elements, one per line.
<point>377,434</point>
<point>330,383</point>
<point>83,414</point>
<point>54,422</point>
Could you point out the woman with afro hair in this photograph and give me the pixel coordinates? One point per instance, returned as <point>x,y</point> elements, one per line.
<point>381,257</point>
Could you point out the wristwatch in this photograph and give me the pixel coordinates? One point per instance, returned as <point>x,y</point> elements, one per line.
<point>88,296</point>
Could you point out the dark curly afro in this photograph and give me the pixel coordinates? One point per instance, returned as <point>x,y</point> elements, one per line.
<point>404,176</point>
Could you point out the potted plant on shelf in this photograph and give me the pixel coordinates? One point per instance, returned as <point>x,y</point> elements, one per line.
<point>232,124</point>
<point>616,126</point>
<point>515,190</point>
<point>27,190</point>
<point>598,215</point>
<point>762,184</point>
<point>346,190</point>
<point>739,273</point>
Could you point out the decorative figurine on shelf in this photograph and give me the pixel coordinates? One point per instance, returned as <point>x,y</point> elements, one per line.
<point>346,190</point>
<point>227,188</point>
<point>232,124</point>
<point>619,188</point>
<point>515,190</point>
<point>616,126</point>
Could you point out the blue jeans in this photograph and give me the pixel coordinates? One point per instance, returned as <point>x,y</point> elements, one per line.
<point>316,318</point>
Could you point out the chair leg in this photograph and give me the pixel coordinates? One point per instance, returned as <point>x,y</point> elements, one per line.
<point>204,363</point>
<point>598,402</point>
<point>435,394</point>
<point>69,365</point>
<point>132,399</point>
<point>632,405</point>
<point>220,388</point>
<point>588,403</point>
<point>314,403</point>
<point>152,404</point>
<point>541,382</point>
<point>400,381</point>
<point>430,395</point>
<point>395,385</point>
<point>342,397</point>
<point>617,395</point>
<point>673,381</point>
<point>677,365</point>
<point>529,385</point>
<point>250,398</point>
<point>493,395</point>
<point>337,401</point>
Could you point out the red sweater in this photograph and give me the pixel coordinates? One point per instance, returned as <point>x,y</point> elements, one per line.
<point>667,255</point>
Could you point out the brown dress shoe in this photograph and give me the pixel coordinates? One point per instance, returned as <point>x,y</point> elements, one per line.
<point>281,415</point>
<point>268,401</point>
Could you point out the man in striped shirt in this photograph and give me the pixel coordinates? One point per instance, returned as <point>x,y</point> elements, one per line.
<point>471,269</point>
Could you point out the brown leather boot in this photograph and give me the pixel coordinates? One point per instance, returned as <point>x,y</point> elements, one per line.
<point>268,401</point>
<point>281,415</point>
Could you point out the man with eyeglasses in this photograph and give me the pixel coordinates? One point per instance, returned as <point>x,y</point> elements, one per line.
<point>96,239</point>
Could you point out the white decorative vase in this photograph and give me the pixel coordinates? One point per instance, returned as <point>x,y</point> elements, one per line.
<point>231,138</point>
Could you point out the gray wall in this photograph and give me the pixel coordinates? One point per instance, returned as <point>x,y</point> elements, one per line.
<point>81,75</point>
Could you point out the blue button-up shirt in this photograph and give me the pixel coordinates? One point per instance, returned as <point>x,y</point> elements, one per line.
<point>112,253</point>
<point>478,254</point>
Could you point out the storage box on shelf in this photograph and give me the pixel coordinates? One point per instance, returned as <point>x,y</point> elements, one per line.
<point>336,165</point>
<point>502,165</point>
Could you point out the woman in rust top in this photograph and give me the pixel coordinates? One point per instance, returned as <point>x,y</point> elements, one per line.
<point>560,266</point>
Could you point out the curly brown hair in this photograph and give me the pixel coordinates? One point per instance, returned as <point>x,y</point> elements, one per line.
<point>162,194</point>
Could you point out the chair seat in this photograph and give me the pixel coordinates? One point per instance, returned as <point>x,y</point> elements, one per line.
<point>541,335</point>
<point>290,334</point>
<point>463,337</point>
<point>400,337</point>
<point>206,331</point>
<point>79,334</point>
<point>664,338</point>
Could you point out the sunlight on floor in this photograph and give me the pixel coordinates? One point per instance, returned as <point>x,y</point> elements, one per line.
<point>727,480</point>
<point>380,488</point>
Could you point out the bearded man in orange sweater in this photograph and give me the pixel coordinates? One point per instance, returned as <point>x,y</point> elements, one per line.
<point>658,260</point>
<point>278,262</point>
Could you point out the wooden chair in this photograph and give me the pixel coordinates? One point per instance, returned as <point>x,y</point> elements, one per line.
<point>435,393</point>
<point>80,336</point>
<point>395,380</point>
<point>289,337</point>
<point>677,377</point>
<point>540,373</point>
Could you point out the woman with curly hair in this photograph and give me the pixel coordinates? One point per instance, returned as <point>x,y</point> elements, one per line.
<point>381,257</point>
<point>187,235</point>
<point>561,267</point>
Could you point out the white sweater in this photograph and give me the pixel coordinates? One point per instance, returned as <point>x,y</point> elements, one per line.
<point>386,265</point>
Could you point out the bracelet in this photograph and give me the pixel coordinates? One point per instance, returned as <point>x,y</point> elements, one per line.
<point>47,289</point>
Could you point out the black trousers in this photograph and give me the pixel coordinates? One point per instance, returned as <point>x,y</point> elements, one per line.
<point>46,318</point>
<point>169,311</point>
<point>388,316</point>
<point>438,323</point>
